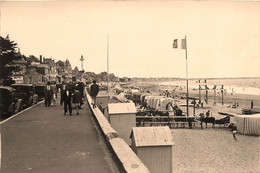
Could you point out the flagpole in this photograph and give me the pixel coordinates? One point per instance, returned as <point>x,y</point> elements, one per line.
<point>187,78</point>
<point>107,60</point>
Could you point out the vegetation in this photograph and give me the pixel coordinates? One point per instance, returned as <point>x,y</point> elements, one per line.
<point>8,53</point>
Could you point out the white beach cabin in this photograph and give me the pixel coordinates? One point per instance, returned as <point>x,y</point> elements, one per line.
<point>248,124</point>
<point>102,99</point>
<point>122,117</point>
<point>153,145</point>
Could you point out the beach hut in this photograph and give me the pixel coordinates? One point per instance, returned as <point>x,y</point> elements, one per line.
<point>153,145</point>
<point>122,117</point>
<point>136,97</point>
<point>144,97</point>
<point>102,99</point>
<point>248,124</point>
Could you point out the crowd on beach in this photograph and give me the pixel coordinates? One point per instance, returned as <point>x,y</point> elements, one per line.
<point>159,103</point>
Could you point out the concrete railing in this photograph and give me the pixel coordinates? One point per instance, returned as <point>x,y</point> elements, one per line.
<point>127,158</point>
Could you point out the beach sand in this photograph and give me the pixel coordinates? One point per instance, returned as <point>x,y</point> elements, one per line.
<point>213,149</point>
<point>243,99</point>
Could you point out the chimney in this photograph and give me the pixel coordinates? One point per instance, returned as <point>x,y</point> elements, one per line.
<point>40,59</point>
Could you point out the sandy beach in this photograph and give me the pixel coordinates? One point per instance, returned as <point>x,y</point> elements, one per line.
<point>213,149</point>
<point>244,100</point>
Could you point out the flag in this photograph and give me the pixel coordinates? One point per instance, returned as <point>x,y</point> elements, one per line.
<point>183,43</point>
<point>175,43</point>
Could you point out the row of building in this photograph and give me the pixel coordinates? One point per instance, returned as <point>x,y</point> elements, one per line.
<point>36,70</point>
<point>40,70</point>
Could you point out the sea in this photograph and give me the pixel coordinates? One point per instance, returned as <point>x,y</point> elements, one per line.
<point>249,86</point>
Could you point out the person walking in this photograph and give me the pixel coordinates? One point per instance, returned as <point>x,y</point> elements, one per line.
<point>234,130</point>
<point>77,99</point>
<point>54,94</point>
<point>81,90</point>
<point>201,119</point>
<point>48,94</point>
<point>252,104</point>
<point>94,89</point>
<point>62,90</point>
<point>67,100</point>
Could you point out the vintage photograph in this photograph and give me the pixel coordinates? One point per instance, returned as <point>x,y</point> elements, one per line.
<point>143,86</point>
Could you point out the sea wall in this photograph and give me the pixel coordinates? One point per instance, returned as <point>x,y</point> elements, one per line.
<point>128,160</point>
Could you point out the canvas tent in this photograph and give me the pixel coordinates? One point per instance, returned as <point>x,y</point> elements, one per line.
<point>248,124</point>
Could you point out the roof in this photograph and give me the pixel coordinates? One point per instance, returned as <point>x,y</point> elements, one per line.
<point>22,84</point>
<point>134,90</point>
<point>249,116</point>
<point>121,108</point>
<point>7,88</point>
<point>152,136</point>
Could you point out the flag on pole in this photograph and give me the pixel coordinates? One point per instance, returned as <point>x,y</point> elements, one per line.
<point>175,43</point>
<point>183,43</point>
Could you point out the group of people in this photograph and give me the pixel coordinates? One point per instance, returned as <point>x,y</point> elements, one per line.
<point>69,93</point>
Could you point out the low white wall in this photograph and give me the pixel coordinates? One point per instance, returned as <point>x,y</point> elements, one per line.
<point>128,159</point>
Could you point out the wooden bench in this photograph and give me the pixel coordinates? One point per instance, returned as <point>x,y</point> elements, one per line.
<point>171,123</point>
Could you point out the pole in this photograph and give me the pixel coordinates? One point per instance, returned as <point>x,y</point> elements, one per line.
<point>199,92</point>
<point>107,60</point>
<point>194,105</point>
<point>206,94</point>
<point>215,95</point>
<point>222,93</point>
<point>187,80</point>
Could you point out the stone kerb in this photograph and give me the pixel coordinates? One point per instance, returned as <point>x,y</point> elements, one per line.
<point>128,159</point>
<point>103,123</point>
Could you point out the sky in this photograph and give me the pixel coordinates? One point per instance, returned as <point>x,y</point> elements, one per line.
<point>223,37</point>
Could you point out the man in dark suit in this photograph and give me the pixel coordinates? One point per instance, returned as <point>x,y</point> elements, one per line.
<point>48,94</point>
<point>67,100</point>
<point>62,90</point>
<point>94,89</point>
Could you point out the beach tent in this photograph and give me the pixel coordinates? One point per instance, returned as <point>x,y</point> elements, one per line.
<point>162,103</point>
<point>150,100</point>
<point>134,91</point>
<point>136,97</point>
<point>248,124</point>
<point>143,97</point>
<point>122,97</point>
<point>175,102</point>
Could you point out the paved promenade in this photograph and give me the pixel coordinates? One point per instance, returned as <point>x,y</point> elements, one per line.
<point>43,140</point>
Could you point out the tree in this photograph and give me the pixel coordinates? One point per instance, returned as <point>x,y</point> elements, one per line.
<point>7,55</point>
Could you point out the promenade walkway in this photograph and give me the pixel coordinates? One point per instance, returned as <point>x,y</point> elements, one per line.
<point>43,140</point>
